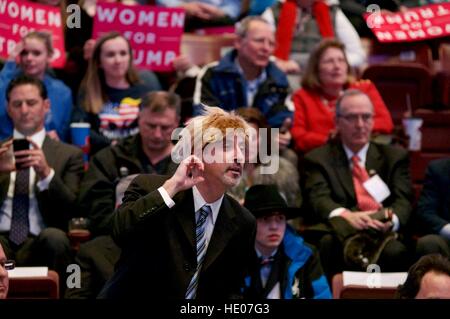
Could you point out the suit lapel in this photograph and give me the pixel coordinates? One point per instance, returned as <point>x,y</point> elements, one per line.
<point>374,161</point>
<point>171,168</point>
<point>48,148</point>
<point>4,185</point>
<point>343,170</point>
<point>224,229</point>
<point>185,215</point>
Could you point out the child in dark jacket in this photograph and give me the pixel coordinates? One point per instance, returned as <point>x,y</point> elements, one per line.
<point>284,266</point>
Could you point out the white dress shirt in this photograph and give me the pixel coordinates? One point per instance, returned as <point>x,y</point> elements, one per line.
<point>275,292</point>
<point>199,202</point>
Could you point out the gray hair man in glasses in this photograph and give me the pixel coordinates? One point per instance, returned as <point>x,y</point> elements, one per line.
<point>5,265</point>
<point>356,186</point>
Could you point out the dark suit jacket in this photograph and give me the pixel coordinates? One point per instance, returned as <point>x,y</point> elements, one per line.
<point>329,182</point>
<point>98,187</point>
<point>433,210</point>
<point>57,204</point>
<point>159,251</point>
<point>96,259</point>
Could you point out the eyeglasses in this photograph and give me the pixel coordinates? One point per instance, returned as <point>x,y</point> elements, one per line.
<point>353,118</point>
<point>8,264</point>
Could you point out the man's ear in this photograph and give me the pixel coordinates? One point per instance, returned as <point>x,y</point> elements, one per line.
<point>237,43</point>
<point>336,122</point>
<point>7,109</point>
<point>50,58</point>
<point>47,105</point>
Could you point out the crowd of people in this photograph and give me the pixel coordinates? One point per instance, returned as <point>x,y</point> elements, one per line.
<point>162,214</point>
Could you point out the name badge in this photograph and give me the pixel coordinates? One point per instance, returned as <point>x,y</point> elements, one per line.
<point>377,188</point>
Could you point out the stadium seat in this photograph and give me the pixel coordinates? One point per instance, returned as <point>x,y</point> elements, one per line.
<point>359,292</point>
<point>401,84</point>
<point>417,53</point>
<point>45,287</point>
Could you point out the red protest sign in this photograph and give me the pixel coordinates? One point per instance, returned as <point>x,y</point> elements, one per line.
<point>415,24</point>
<point>18,17</point>
<point>154,32</point>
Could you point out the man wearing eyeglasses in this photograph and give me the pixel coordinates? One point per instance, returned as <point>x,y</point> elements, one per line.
<point>355,186</point>
<point>5,265</point>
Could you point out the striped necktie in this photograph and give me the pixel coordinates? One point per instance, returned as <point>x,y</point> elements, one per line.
<point>20,223</point>
<point>201,249</point>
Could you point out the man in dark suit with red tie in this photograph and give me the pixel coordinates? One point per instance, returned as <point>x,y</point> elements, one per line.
<point>351,179</point>
<point>183,237</point>
<point>38,198</point>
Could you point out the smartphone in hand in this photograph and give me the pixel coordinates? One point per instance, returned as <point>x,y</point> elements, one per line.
<point>20,145</point>
<point>383,215</point>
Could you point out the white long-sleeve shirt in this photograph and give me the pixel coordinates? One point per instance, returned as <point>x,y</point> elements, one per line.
<point>344,31</point>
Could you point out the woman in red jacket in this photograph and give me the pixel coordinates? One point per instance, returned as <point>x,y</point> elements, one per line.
<point>327,76</point>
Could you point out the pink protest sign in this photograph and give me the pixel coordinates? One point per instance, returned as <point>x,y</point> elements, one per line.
<point>154,32</point>
<point>414,24</point>
<point>18,17</point>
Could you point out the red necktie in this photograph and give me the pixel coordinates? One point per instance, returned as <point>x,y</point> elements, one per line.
<point>359,174</point>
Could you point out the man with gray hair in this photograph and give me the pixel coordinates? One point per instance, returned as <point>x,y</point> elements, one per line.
<point>246,77</point>
<point>354,186</point>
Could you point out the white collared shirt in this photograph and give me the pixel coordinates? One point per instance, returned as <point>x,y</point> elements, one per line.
<point>362,154</point>
<point>199,202</point>
<point>275,292</point>
<point>34,215</point>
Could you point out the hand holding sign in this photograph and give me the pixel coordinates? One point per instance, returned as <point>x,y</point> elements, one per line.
<point>20,17</point>
<point>154,32</point>
<point>14,56</point>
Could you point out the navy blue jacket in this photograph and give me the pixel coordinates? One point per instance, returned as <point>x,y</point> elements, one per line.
<point>221,84</point>
<point>433,210</point>
<point>304,277</point>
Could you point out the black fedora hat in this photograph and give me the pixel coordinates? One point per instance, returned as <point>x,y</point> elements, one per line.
<point>262,200</point>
